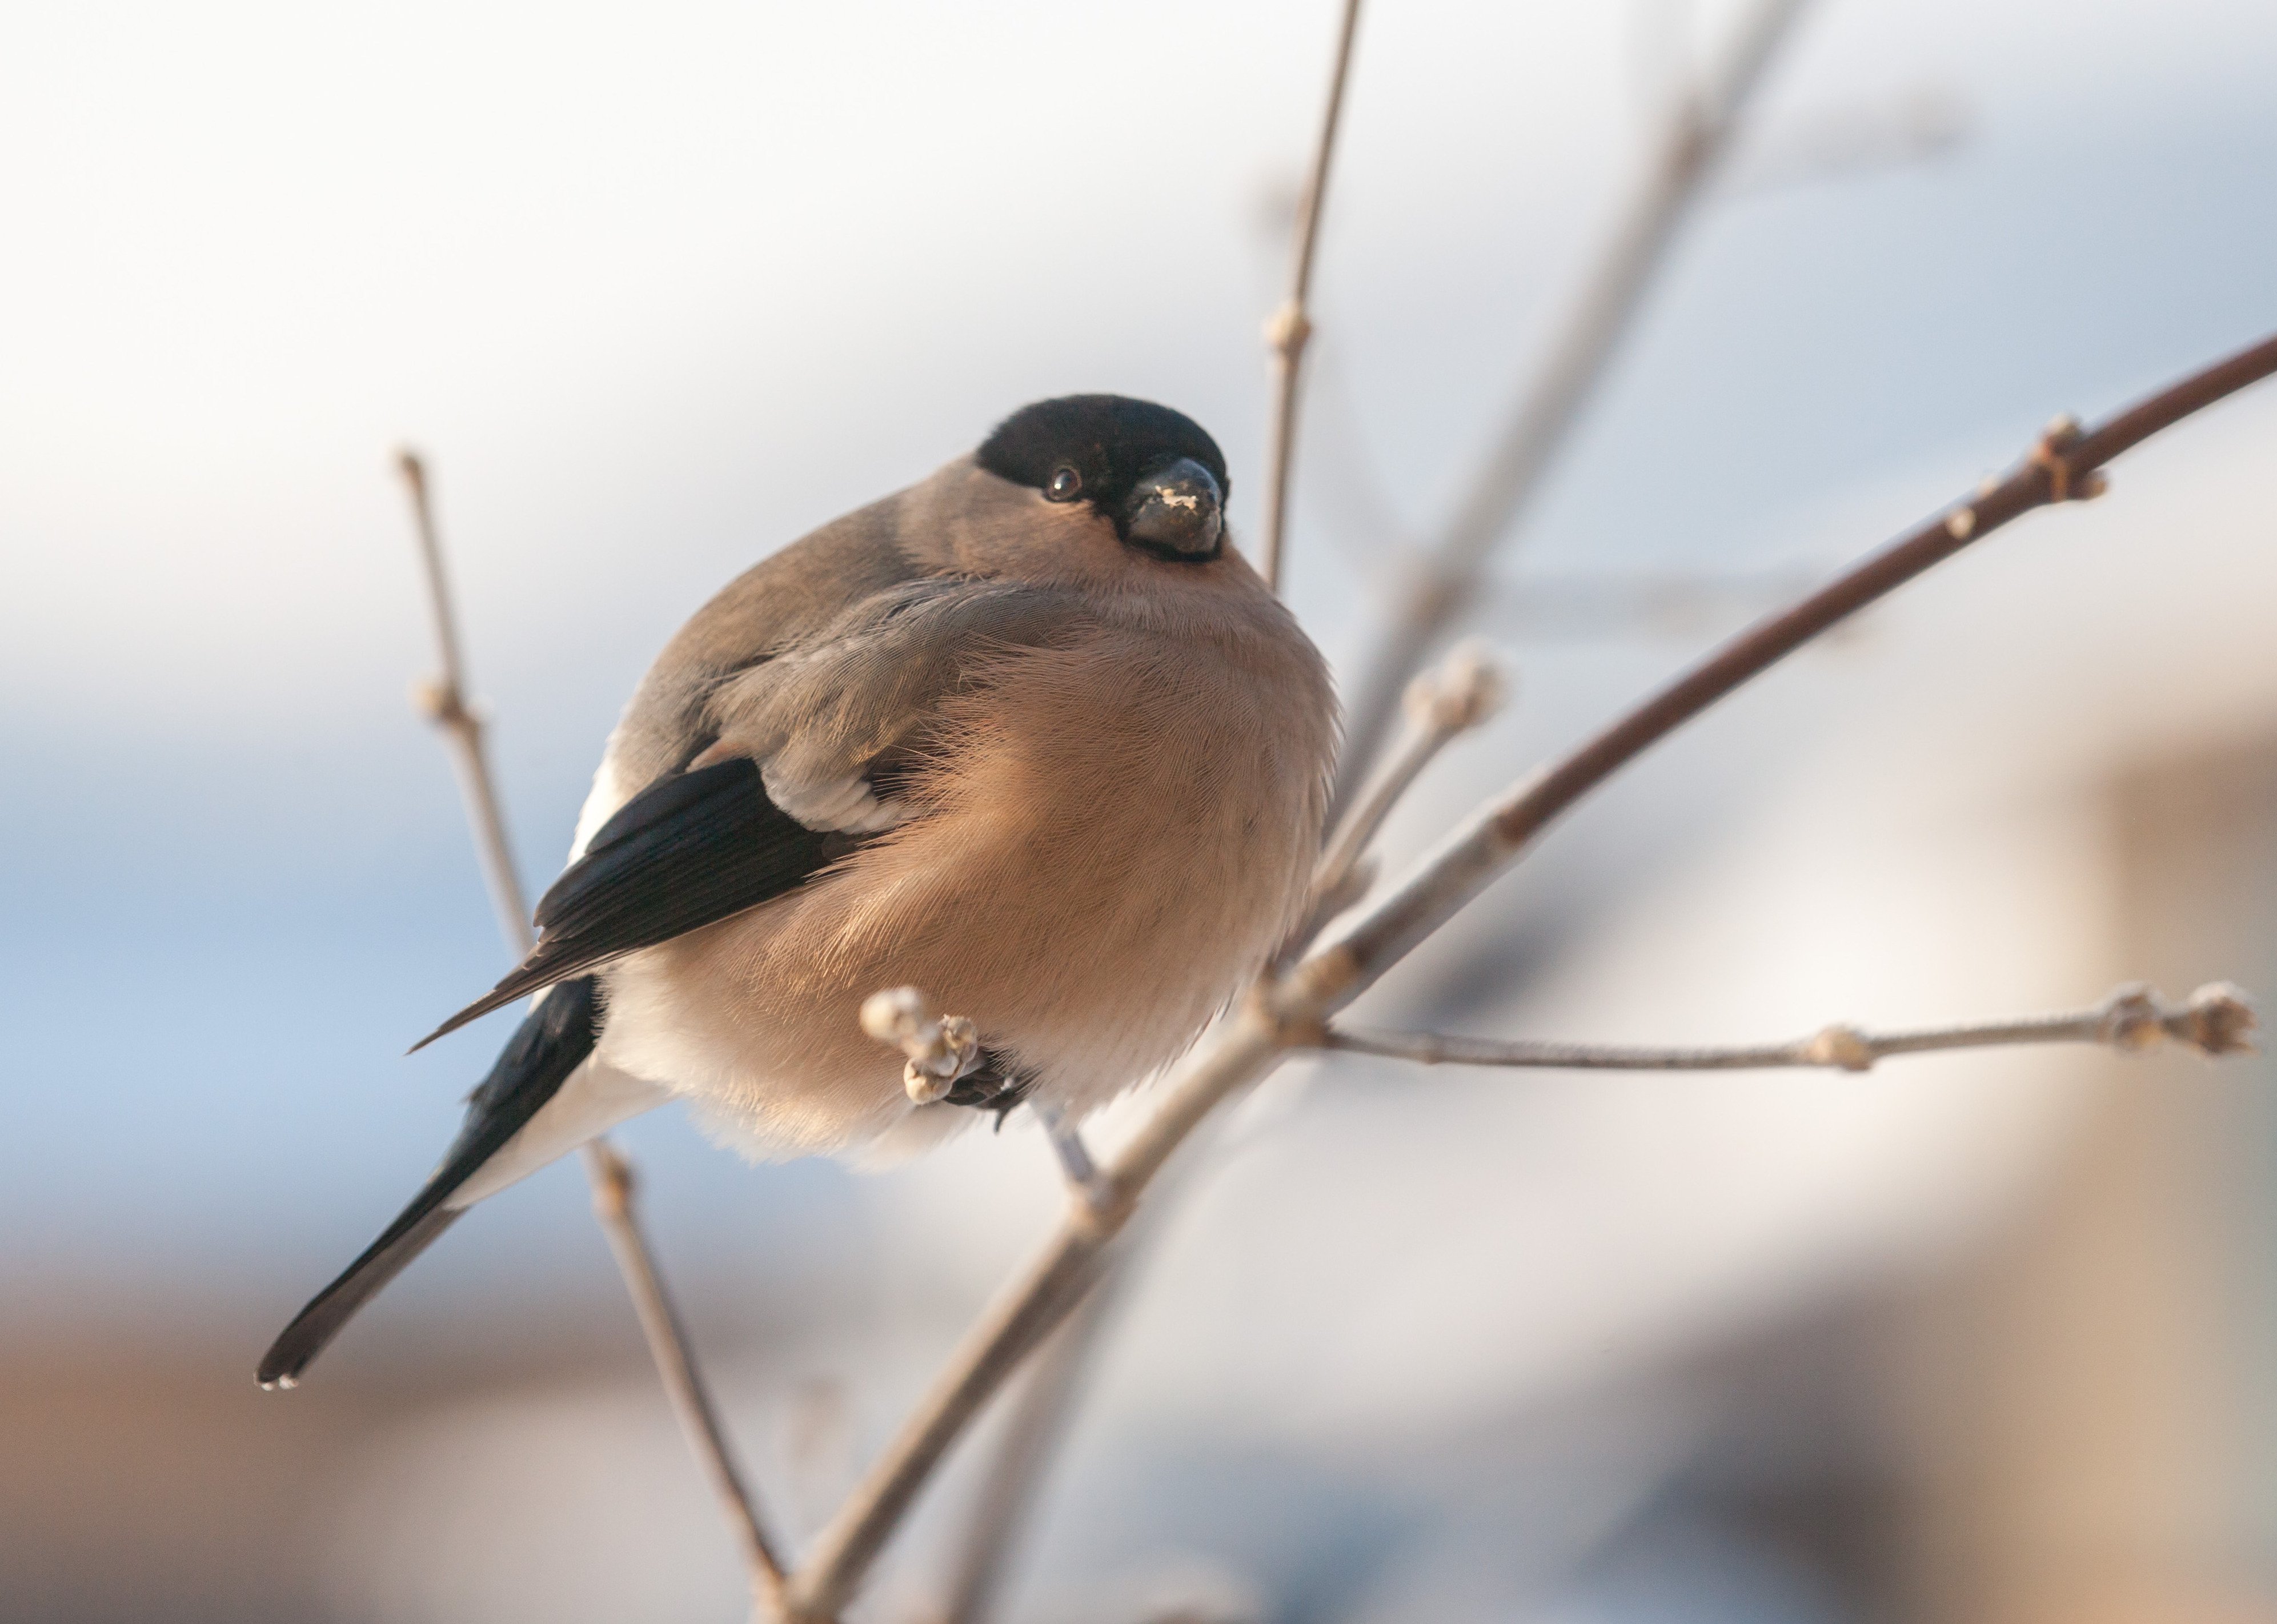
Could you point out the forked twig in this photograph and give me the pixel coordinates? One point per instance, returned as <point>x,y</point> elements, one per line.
<point>1466,691</point>
<point>2217,1020</point>
<point>1698,130</point>
<point>1291,325</point>
<point>443,700</point>
<point>1292,1010</point>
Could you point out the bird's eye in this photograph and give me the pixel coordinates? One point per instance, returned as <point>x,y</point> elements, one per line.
<point>1064,485</point>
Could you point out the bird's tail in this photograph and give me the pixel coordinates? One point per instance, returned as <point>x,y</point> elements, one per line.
<point>552,1044</point>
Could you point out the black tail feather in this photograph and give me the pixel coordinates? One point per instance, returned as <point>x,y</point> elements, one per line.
<point>334,1307</point>
<point>550,1045</point>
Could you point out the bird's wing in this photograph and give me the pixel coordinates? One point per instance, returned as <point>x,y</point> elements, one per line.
<point>787,787</point>
<point>820,716</point>
<point>552,1044</point>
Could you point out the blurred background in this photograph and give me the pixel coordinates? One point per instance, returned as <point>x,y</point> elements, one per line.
<point>1970,1338</point>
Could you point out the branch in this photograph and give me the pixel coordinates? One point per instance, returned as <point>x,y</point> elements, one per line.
<point>1291,1010</point>
<point>1291,324</point>
<point>608,1173</point>
<point>2217,1021</point>
<point>1697,131</point>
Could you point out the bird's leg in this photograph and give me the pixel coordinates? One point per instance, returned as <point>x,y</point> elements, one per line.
<point>1067,1144</point>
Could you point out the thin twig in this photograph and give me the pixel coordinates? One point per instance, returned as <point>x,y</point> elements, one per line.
<point>667,1343</point>
<point>607,1172</point>
<point>1291,1010</point>
<point>1696,133</point>
<point>1291,325</point>
<point>2217,1021</point>
<point>443,700</point>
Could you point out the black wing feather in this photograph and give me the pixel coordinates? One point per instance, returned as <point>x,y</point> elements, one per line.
<point>549,1046</point>
<point>689,850</point>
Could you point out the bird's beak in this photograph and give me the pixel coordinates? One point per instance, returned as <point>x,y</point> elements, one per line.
<point>1177,512</point>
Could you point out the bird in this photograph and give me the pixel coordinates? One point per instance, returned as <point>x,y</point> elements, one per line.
<point>1028,735</point>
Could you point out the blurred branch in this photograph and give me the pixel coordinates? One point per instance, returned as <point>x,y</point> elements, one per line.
<point>1346,492</point>
<point>1291,324</point>
<point>2217,1021</point>
<point>1291,1010</point>
<point>1579,606</point>
<point>608,1173</point>
<point>1837,143</point>
<point>1696,131</point>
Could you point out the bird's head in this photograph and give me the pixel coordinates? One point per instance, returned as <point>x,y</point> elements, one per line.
<point>1095,466</point>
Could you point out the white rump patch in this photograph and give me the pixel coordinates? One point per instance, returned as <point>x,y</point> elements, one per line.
<point>848,804</point>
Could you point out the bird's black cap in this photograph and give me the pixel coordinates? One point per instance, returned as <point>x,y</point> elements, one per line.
<point>1110,440</point>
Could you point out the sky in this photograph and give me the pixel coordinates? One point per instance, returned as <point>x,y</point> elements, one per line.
<point>656,294</point>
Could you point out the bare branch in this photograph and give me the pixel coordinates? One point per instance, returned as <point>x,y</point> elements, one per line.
<point>1292,324</point>
<point>1291,1010</point>
<point>1697,130</point>
<point>608,1173</point>
<point>2218,1020</point>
